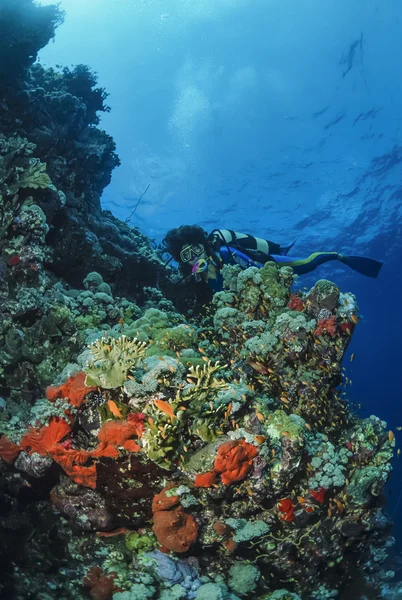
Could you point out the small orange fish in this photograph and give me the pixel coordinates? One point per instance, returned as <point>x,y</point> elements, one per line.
<point>121,321</point>
<point>301,500</point>
<point>391,436</point>
<point>257,366</point>
<point>339,504</point>
<point>172,369</point>
<point>355,319</point>
<point>112,406</point>
<point>260,439</point>
<point>228,410</point>
<point>165,407</point>
<point>259,416</point>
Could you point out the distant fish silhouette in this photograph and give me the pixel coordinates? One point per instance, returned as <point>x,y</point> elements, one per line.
<point>349,58</point>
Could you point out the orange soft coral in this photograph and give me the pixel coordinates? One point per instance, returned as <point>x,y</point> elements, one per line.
<point>118,433</point>
<point>73,462</point>
<point>74,389</point>
<point>80,474</point>
<point>163,502</point>
<point>205,480</point>
<point>8,450</point>
<point>43,439</point>
<point>175,529</point>
<point>234,460</point>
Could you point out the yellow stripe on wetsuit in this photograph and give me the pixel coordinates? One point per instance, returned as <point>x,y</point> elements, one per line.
<point>305,265</point>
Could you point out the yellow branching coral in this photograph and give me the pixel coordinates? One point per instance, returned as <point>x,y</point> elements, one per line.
<point>112,359</point>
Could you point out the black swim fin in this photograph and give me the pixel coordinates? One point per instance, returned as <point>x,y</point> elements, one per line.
<point>285,249</point>
<point>362,264</point>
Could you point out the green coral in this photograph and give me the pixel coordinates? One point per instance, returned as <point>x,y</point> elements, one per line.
<point>243,578</point>
<point>214,591</point>
<point>112,359</point>
<point>176,338</point>
<point>140,543</point>
<point>247,530</point>
<point>329,465</point>
<point>18,169</point>
<point>260,345</point>
<point>278,422</point>
<point>367,482</point>
<point>139,591</point>
<point>281,595</point>
<point>176,592</point>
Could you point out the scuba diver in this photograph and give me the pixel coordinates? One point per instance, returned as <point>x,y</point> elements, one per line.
<point>203,255</point>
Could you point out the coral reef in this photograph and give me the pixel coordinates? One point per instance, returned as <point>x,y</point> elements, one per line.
<point>254,471</point>
<point>144,454</point>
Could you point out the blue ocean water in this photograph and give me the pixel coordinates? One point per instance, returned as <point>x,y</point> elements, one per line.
<point>274,118</point>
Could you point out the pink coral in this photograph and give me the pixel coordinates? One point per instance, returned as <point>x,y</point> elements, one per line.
<point>295,303</point>
<point>326,325</point>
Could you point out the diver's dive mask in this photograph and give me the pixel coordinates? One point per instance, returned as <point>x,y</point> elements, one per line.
<point>189,253</point>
